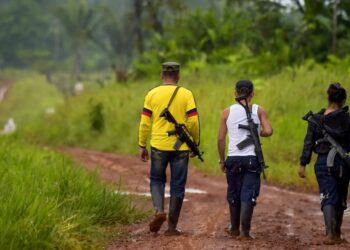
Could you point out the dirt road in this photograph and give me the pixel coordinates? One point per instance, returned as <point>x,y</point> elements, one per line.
<point>4,87</point>
<point>282,219</point>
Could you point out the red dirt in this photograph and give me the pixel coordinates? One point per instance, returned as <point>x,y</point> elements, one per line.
<point>4,87</point>
<point>282,219</point>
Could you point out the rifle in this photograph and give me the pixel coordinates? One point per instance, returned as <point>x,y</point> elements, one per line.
<point>253,138</point>
<point>182,134</point>
<point>336,148</point>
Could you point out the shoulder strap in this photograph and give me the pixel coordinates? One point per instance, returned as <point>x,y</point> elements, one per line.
<point>173,96</point>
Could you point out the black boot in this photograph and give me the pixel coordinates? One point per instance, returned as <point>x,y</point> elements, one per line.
<point>329,221</point>
<point>174,213</point>
<point>235,213</point>
<point>246,218</point>
<point>338,222</point>
<point>157,192</point>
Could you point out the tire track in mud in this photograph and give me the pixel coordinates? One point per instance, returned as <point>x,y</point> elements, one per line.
<point>283,219</point>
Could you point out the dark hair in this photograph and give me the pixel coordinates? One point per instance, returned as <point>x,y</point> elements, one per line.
<point>244,87</point>
<point>336,93</point>
<point>171,74</point>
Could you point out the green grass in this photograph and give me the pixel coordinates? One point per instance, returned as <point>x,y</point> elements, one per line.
<point>286,97</point>
<point>47,202</point>
<point>28,98</point>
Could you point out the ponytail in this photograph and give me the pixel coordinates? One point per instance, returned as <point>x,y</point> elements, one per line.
<point>336,93</point>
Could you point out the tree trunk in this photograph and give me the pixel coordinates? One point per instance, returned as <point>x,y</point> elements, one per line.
<point>120,75</point>
<point>138,9</point>
<point>48,77</point>
<point>300,6</point>
<point>77,64</point>
<point>157,24</point>
<point>153,10</point>
<point>335,25</point>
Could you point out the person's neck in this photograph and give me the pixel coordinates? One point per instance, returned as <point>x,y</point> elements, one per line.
<point>244,102</point>
<point>169,83</point>
<point>334,106</point>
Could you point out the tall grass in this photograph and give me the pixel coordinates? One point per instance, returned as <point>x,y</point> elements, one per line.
<point>46,202</point>
<point>286,98</point>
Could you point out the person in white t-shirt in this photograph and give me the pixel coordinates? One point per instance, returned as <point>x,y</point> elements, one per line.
<point>241,166</point>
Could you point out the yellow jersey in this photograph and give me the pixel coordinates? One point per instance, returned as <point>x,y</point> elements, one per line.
<point>184,110</point>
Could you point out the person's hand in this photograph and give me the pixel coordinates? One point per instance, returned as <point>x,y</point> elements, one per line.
<point>192,155</point>
<point>301,171</point>
<point>222,166</point>
<point>144,154</point>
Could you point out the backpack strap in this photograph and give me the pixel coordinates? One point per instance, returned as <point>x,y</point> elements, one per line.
<point>173,96</point>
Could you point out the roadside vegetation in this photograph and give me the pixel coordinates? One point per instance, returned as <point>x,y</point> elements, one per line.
<point>48,202</point>
<point>107,119</point>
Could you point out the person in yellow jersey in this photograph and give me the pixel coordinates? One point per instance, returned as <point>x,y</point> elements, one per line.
<point>181,104</point>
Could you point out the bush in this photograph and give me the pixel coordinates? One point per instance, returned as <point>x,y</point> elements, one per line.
<point>97,121</point>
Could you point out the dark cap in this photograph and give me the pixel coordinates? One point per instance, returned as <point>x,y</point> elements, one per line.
<point>245,86</point>
<point>170,66</point>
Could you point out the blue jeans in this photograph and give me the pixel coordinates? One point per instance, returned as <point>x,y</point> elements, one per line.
<point>178,167</point>
<point>333,183</point>
<point>243,179</point>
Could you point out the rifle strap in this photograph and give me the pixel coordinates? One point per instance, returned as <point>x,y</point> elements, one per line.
<point>173,96</point>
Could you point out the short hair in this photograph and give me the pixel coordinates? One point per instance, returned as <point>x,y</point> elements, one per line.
<point>171,74</point>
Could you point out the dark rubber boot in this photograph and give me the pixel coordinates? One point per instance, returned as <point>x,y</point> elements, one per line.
<point>173,218</point>
<point>235,214</point>
<point>338,222</point>
<point>246,218</point>
<point>329,221</point>
<point>157,192</point>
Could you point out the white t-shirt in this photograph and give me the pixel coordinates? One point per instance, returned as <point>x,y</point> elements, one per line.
<point>236,135</point>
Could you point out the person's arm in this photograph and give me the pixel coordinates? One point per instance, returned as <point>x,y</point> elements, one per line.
<point>222,138</point>
<point>305,157</point>
<point>192,121</point>
<point>266,129</point>
<point>144,128</point>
